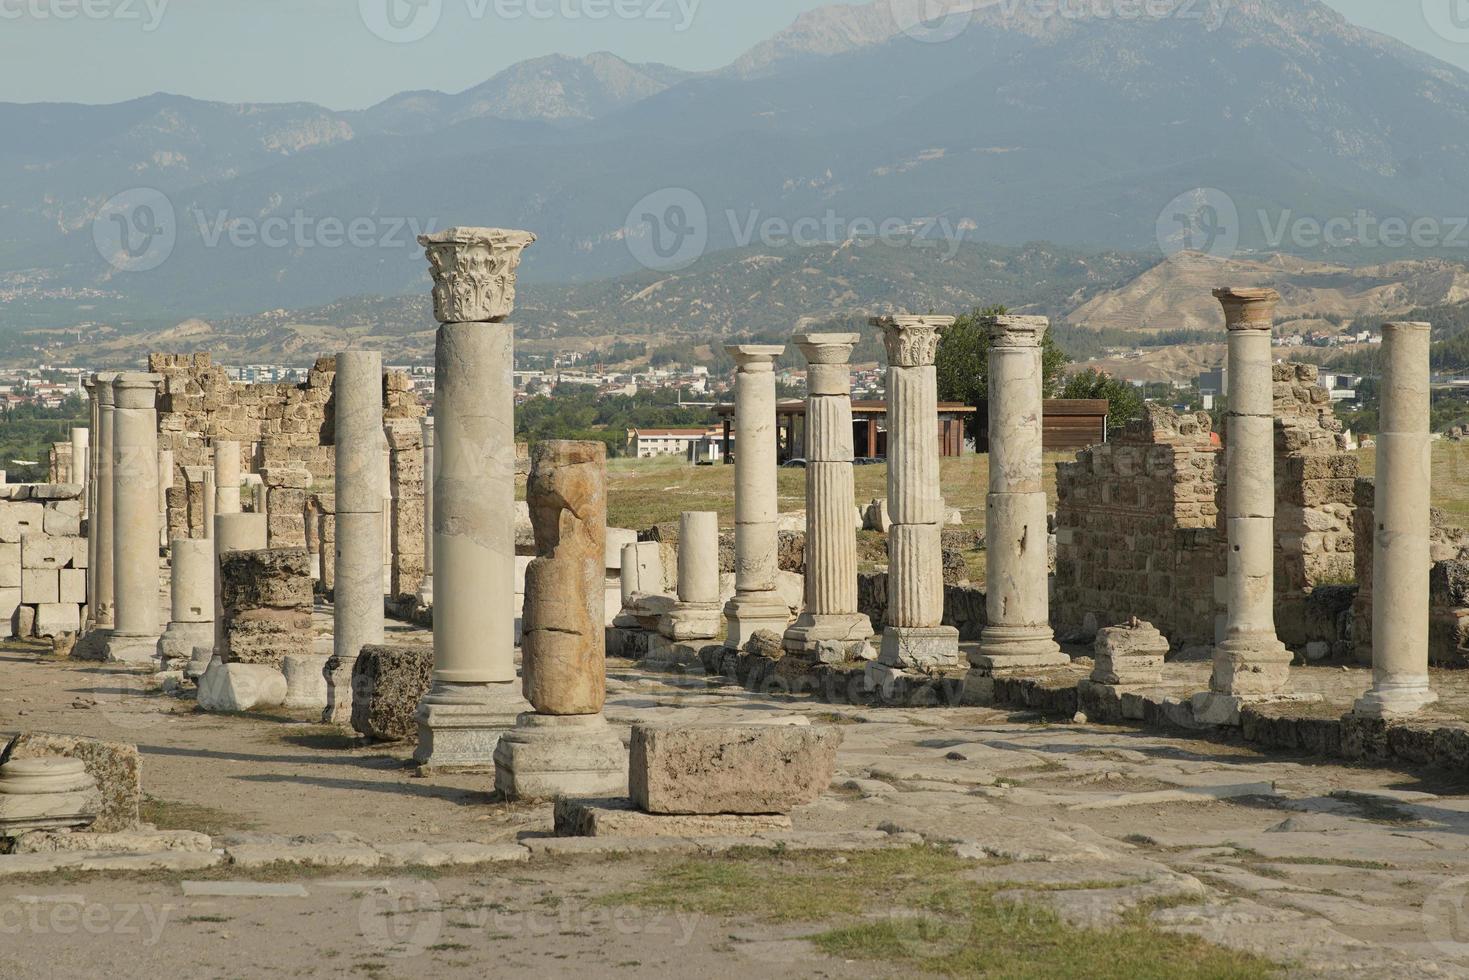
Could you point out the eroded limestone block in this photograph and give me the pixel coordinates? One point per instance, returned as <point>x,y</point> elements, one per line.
<point>265,602</point>
<point>618,818</point>
<point>50,793</point>
<point>241,687</point>
<point>115,766</point>
<point>710,769</point>
<point>388,682</point>
<point>1130,654</point>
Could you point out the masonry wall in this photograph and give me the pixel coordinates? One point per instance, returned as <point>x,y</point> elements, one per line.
<point>43,559</point>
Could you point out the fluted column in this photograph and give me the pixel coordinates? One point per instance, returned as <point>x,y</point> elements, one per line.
<point>915,636</point>
<point>137,611</point>
<point>426,589</point>
<point>103,601</point>
<point>1017,592</point>
<point>357,595</point>
<point>475,697</point>
<point>756,604</point>
<point>1250,661</point>
<point>831,621</point>
<point>1400,551</point>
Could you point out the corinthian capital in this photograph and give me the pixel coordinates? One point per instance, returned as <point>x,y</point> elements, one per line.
<point>912,341</point>
<point>474,272</point>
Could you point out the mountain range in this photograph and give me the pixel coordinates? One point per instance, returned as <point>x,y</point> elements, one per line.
<point>1022,128</point>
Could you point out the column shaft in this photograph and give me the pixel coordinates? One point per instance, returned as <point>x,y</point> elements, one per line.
<point>426,590</point>
<point>137,610</point>
<point>227,476</point>
<point>104,514</point>
<point>358,582</point>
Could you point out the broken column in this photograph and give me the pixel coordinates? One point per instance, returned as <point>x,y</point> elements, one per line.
<point>474,697</point>
<point>81,448</point>
<point>693,619</point>
<point>210,497</point>
<point>426,589</point>
<point>831,624</point>
<point>226,476</point>
<point>135,519</point>
<point>915,636</point>
<point>191,590</point>
<point>1250,661</point>
<point>756,604</point>
<point>357,606</point>
<point>1401,557</point>
<point>564,747</point>
<point>1018,608</point>
<point>232,532</point>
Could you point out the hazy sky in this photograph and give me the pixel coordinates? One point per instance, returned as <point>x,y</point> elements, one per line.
<point>350,54</point>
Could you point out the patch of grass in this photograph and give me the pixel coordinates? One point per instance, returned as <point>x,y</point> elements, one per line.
<point>191,920</point>
<point>914,909</point>
<point>834,718</point>
<point>1336,863</point>
<point>172,815</point>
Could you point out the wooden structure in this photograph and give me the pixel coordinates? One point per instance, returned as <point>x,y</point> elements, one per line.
<point>869,428</point>
<point>1069,424</point>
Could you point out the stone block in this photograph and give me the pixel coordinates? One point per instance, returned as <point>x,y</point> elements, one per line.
<point>743,769</point>
<point>241,687</point>
<point>9,603</point>
<point>72,585</point>
<point>38,585</point>
<point>39,551</point>
<point>10,566</point>
<point>388,682</point>
<point>1131,654</point>
<point>57,618</point>
<point>24,623</point>
<point>618,818</point>
<point>115,766</point>
<point>20,519</point>
<point>60,524</point>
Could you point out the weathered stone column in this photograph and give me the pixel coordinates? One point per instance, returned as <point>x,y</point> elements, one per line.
<point>102,564</point>
<point>231,533</point>
<point>1018,607</point>
<point>474,697</point>
<point>564,747</point>
<point>1250,661</point>
<point>165,483</point>
<point>191,590</point>
<point>831,625</point>
<point>426,590</point>
<point>209,495</point>
<point>136,613</point>
<point>81,448</point>
<point>226,476</point>
<point>915,636</point>
<point>357,606</point>
<point>91,503</point>
<point>693,619</point>
<point>1400,547</point>
<point>756,604</point>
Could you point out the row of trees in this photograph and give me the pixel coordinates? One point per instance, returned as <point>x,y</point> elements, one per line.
<point>27,432</point>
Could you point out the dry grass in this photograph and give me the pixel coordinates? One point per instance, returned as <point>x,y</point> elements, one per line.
<point>1450,480</point>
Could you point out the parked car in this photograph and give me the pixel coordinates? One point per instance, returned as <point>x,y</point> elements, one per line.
<point>794,464</point>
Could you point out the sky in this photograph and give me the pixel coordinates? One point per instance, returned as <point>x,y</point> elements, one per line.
<point>348,54</point>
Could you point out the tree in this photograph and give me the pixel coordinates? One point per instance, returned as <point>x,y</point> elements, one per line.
<point>1124,401</point>
<point>963,362</point>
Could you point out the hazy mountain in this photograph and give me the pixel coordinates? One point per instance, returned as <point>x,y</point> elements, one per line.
<point>1018,129</point>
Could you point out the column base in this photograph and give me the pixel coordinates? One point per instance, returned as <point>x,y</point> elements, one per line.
<point>199,660</point>
<point>921,647</point>
<point>690,621</point>
<point>132,648</point>
<point>176,645</point>
<point>1250,666</point>
<point>338,675</point>
<point>815,633</point>
<point>459,725</point>
<point>545,756</point>
<point>1395,699</point>
<point>1010,648</point>
<point>306,686</point>
<point>663,652</point>
<point>751,612</point>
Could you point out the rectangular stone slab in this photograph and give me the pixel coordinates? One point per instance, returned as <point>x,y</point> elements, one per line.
<point>617,818</point>
<point>742,769</point>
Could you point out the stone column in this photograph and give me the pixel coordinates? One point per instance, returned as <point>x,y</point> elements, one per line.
<point>474,696</point>
<point>756,604</point>
<point>191,589</point>
<point>693,619</point>
<point>831,626</point>
<point>209,495</point>
<point>1018,607</point>
<point>642,571</point>
<point>91,504</point>
<point>564,747</point>
<point>915,635</point>
<point>102,564</point>
<point>1400,550</point>
<point>165,482</point>
<point>232,532</point>
<point>1250,662</point>
<point>426,590</point>
<point>357,605</point>
<point>81,447</point>
<point>136,612</point>
<point>227,476</point>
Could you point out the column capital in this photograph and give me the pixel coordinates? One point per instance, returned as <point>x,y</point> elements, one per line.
<point>912,341</point>
<point>102,382</point>
<point>1248,307</point>
<point>474,272</point>
<point>826,348</point>
<point>132,389</point>
<point>428,430</point>
<point>753,358</point>
<point>1407,327</point>
<point>1016,331</point>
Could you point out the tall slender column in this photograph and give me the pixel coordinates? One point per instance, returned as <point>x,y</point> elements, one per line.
<point>426,590</point>
<point>211,501</point>
<point>756,604</point>
<point>831,617</point>
<point>474,698</point>
<point>90,504</point>
<point>915,636</point>
<point>191,607</point>
<point>165,482</point>
<point>137,611</point>
<point>1251,661</point>
<point>81,441</point>
<point>1400,550</point>
<point>357,607</point>
<point>103,602</point>
<point>227,476</point>
<point>1018,606</point>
